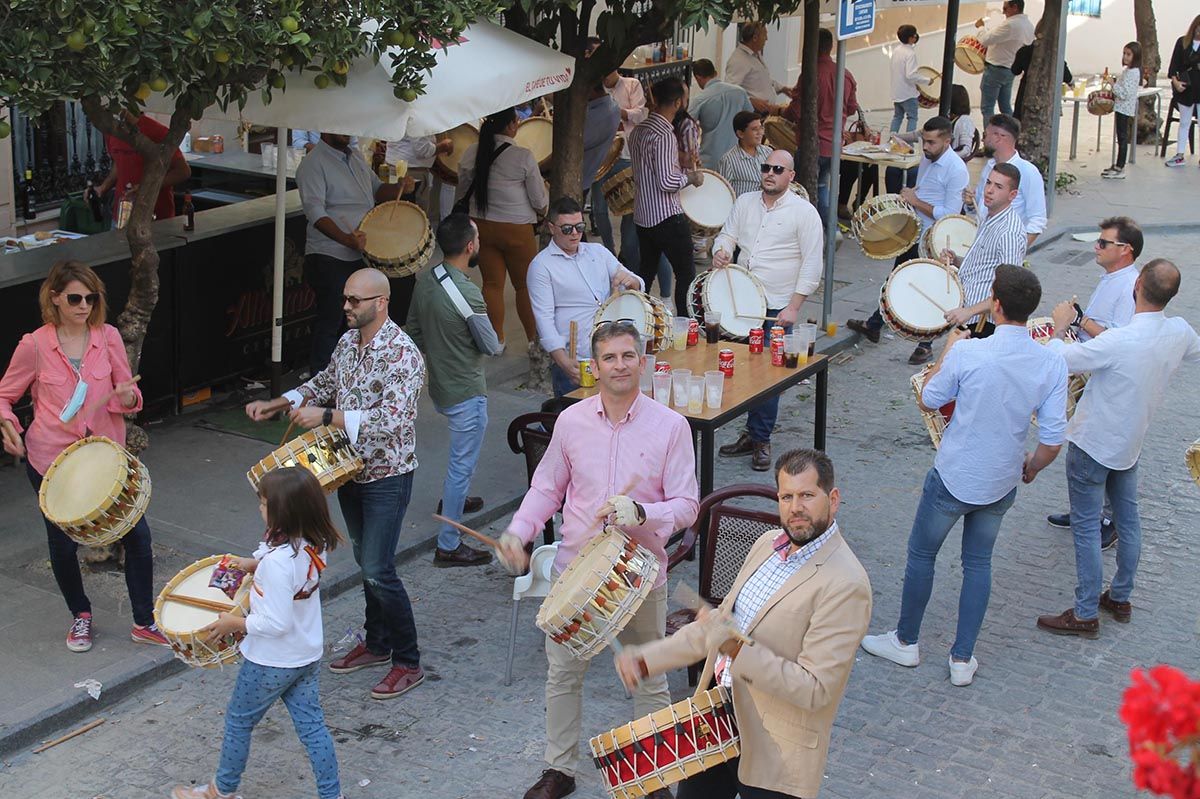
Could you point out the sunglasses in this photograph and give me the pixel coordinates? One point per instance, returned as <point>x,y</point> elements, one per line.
<point>75,299</point>
<point>1105,243</point>
<point>352,301</point>
<point>607,322</point>
<point>776,168</point>
<point>567,230</point>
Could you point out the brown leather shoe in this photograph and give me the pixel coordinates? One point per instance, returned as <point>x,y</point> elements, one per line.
<point>661,793</point>
<point>1121,611</point>
<point>920,355</point>
<point>761,460</point>
<point>553,784</point>
<point>743,446</point>
<point>861,327</point>
<point>1065,623</point>
<point>471,505</point>
<point>400,680</point>
<point>463,556</point>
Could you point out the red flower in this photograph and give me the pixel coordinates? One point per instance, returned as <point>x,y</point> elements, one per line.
<point>1162,711</point>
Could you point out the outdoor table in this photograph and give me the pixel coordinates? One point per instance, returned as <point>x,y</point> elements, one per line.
<point>883,160</point>
<point>754,380</point>
<point>1145,91</point>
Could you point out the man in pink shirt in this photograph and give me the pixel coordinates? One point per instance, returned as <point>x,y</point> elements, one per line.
<point>617,441</point>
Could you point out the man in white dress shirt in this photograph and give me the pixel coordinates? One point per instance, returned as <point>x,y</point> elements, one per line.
<point>568,281</point>
<point>941,178</point>
<point>905,78</point>
<point>1111,305</point>
<point>1000,145</point>
<point>1130,367</point>
<point>747,69</point>
<point>781,242</point>
<point>1002,42</point>
<point>980,462</point>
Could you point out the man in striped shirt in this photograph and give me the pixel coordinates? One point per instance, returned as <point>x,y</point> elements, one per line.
<point>1001,240</point>
<point>661,226</point>
<point>742,164</point>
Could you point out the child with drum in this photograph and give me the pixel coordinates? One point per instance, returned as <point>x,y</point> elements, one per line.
<point>75,368</point>
<point>283,639</point>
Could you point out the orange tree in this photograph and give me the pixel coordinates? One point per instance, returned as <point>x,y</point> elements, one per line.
<point>111,54</point>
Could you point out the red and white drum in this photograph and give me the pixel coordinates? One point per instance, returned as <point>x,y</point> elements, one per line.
<point>970,55</point>
<point>1101,102</point>
<point>929,95</point>
<point>667,746</point>
<point>1042,330</point>
<point>916,296</point>
<point>735,293</point>
<point>935,421</point>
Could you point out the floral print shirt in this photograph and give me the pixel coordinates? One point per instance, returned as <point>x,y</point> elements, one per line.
<point>382,382</point>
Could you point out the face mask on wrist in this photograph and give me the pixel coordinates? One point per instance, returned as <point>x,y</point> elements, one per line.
<point>75,403</point>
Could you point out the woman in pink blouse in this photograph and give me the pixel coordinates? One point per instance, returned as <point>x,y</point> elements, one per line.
<point>76,345</point>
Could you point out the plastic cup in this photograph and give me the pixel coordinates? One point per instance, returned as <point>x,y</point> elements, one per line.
<point>645,382</point>
<point>695,395</point>
<point>679,332</point>
<point>680,378</point>
<point>662,387</point>
<point>268,155</point>
<point>714,388</point>
<point>712,326</point>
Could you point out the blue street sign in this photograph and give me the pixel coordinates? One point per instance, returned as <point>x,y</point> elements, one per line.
<point>855,18</point>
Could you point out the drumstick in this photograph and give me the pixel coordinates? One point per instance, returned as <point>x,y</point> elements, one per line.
<point>462,528</point>
<point>574,339</point>
<point>292,424</point>
<point>91,725</point>
<point>97,405</point>
<point>764,318</point>
<point>197,602</point>
<point>936,304</point>
<point>732,297</point>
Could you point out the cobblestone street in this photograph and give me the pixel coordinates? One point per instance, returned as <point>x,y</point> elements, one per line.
<point>1040,721</point>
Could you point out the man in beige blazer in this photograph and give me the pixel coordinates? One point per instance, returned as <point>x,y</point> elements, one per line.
<point>805,601</point>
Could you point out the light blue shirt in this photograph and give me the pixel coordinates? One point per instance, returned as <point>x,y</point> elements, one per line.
<point>1112,302</point>
<point>338,185</point>
<point>569,288</point>
<point>714,107</point>
<point>1031,196</point>
<point>940,183</point>
<point>301,138</point>
<point>600,125</point>
<point>996,383</point>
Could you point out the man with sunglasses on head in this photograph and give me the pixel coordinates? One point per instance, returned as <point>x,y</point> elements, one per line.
<point>1111,305</point>
<point>780,240</point>
<point>370,390</point>
<point>568,281</point>
<point>616,458</point>
<point>1000,145</point>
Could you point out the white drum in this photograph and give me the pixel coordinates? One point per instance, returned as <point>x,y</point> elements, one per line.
<point>649,315</point>
<point>537,135</point>
<point>735,293</point>
<point>707,206</point>
<point>917,295</point>
<point>952,232</point>
<point>929,94</point>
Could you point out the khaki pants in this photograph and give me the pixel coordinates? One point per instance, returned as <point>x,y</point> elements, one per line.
<point>564,683</point>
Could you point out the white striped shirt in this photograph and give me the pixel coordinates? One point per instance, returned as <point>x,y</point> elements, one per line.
<point>744,172</point>
<point>765,583</point>
<point>1001,240</point>
<point>657,176</point>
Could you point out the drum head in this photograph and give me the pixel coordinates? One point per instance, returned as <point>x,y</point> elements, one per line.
<point>463,137</point>
<point>954,232</point>
<point>84,479</point>
<point>708,205</point>
<point>628,305</point>
<point>747,298</point>
<point>912,291</point>
<point>537,135</point>
<point>582,578</point>
<point>180,618</point>
<point>395,230</point>
<point>933,89</point>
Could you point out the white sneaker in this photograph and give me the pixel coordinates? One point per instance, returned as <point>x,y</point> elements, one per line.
<point>1116,174</point>
<point>888,646</point>
<point>961,674</point>
<point>1177,160</point>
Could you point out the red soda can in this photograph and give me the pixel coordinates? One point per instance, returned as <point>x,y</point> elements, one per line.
<point>777,351</point>
<point>756,340</point>
<point>693,333</point>
<point>777,332</point>
<point>725,362</point>
<point>662,366</point>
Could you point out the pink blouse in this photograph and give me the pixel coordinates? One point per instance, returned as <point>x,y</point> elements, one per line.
<point>39,366</point>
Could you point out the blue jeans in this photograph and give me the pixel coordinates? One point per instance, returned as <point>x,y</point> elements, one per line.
<point>995,85</point>
<point>468,422</point>
<point>908,108</point>
<point>139,565</point>
<point>559,381</point>
<point>937,513</point>
<point>374,514</point>
<point>1087,483</point>
<point>760,420</point>
<point>824,167</point>
<point>256,690</point>
<point>630,253</point>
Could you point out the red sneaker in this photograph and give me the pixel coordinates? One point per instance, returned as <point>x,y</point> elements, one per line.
<point>79,637</point>
<point>148,635</point>
<point>358,658</point>
<point>400,680</point>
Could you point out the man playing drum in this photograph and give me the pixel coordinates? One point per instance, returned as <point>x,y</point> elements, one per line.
<point>981,460</point>
<point>781,243</point>
<point>1000,145</point>
<point>568,281</point>
<point>370,389</point>
<point>941,178</point>
<point>804,600</point>
<point>618,457</point>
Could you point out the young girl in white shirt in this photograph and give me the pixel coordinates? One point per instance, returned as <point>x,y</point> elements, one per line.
<point>964,138</point>
<point>1125,90</point>
<point>283,638</point>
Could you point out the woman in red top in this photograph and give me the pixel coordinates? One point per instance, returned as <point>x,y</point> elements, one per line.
<point>76,345</point>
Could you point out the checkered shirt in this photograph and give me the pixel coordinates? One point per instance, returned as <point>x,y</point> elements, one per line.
<point>764,583</point>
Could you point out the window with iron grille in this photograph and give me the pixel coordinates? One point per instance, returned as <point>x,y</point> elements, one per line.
<point>63,152</point>
<point>1084,8</point>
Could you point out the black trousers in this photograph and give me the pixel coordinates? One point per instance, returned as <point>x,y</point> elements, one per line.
<point>721,782</point>
<point>1124,130</point>
<point>671,237</point>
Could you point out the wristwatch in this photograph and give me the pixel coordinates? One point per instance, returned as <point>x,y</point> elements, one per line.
<point>1078,316</point>
<point>327,417</point>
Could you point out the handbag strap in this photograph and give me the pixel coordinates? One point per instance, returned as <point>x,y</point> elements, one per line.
<point>466,199</point>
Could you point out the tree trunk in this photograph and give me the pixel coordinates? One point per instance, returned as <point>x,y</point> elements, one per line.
<point>570,109</point>
<point>143,270</point>
<point>1042,95</point>
<point>1147,37</point>
<point>808,147</point>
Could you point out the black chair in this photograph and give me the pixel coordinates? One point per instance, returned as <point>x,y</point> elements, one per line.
<point>529,435</point>
<point>730,531</point>
<point>1172,116</point>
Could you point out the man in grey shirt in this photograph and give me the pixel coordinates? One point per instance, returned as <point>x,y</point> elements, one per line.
<point>600,125</point>
<point>337,189</point>
<point>714,107</point>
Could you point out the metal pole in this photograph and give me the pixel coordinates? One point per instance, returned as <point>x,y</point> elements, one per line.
<point>1056,112</point>
<point>281,160</point>
<point>948,57</point>
<point>835,165</point>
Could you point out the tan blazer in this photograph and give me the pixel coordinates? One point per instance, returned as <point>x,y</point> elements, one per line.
<point>787,686</point>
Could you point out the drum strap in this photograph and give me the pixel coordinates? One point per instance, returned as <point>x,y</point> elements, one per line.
<point>315,565</point>
<point>456,297</point>
<point>478,324</point>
